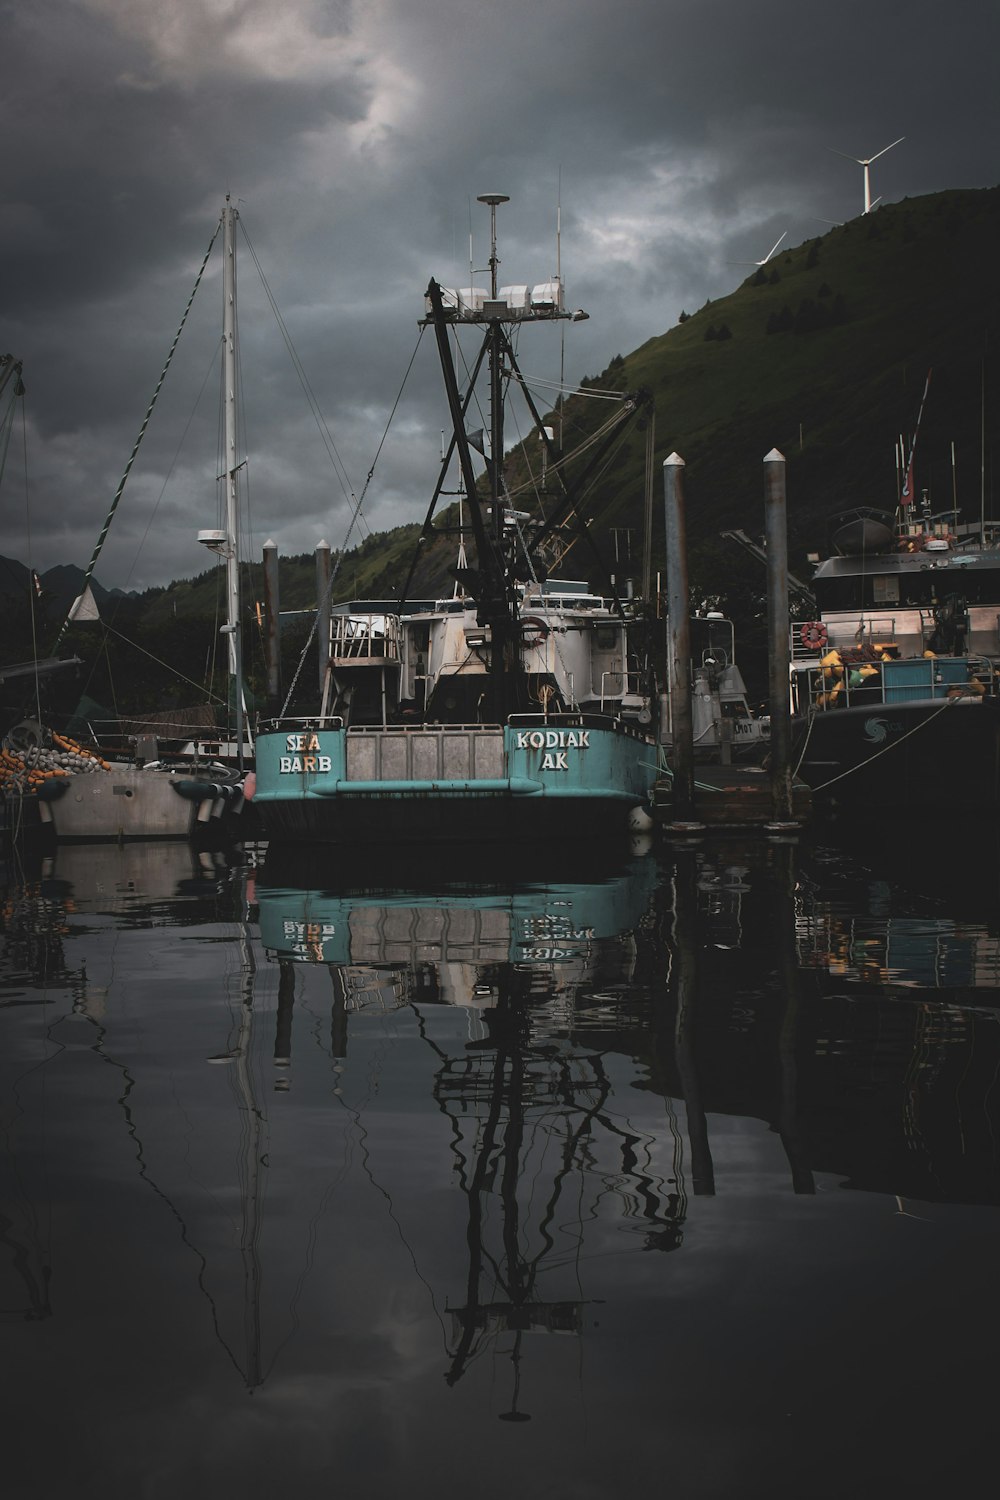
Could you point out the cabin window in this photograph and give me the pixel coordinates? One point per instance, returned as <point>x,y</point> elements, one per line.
<point>885,588</point>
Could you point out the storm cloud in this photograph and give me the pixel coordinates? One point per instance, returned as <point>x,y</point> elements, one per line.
<point>679,137</point>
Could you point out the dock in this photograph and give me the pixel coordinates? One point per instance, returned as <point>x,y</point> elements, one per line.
<point>727,798</point>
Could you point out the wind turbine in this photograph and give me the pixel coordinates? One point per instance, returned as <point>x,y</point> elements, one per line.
<point>767,257</point>
<point>866,161</point>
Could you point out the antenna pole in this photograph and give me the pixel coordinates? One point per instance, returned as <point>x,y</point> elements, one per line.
<point>562,330</point>
<point>493,199</point>
<point>494,338</point>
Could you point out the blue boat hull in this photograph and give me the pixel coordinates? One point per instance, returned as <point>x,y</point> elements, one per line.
<point>578,776</point>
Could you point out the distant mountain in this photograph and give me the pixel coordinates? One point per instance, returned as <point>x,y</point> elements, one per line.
<point>14,579</point>
<point>59,586</point>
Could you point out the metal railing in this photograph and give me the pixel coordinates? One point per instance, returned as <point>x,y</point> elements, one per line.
<point>360,640</point>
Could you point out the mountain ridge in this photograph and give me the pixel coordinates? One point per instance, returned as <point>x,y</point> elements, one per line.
<point>823,353</point>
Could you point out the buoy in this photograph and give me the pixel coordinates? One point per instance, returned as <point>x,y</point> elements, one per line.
<point>639,820</point>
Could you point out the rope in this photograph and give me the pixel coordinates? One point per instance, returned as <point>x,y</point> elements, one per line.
<point>142,433</point>
<point>213,697</point>
<point>948,703</point>
<point>32,595</point>
<point>573,390</point>
<point>8,427</point>
<point>335,570</point>
<point>595,438</point>
<point>324,431</point>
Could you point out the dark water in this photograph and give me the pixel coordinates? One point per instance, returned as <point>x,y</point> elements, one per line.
<point>602,1176</point>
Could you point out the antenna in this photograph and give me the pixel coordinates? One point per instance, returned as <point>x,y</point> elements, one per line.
<point>492,199</point>
<point>865,162</point>
<point>562,329</point>
<point>559,227</point>
<point>767,257</point>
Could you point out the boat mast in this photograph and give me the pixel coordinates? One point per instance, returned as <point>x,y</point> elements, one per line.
<point>231,553</point>
<point>496,376</point>
<point>504,621</point>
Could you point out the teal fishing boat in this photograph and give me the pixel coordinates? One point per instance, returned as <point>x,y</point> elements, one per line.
<point>522,706</point>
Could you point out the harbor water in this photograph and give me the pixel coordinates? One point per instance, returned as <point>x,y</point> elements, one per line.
<point>574,1174</point>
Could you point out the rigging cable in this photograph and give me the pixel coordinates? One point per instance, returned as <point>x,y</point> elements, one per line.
<point>323,429</point>
<point>116,605</point>
<point>32,595</point>
<point>214,697</point>
<point>335,569</point>
<point>142,433</point>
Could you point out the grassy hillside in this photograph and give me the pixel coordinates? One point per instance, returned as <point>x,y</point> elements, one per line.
<point>823,354</point>
<point>857,317</point>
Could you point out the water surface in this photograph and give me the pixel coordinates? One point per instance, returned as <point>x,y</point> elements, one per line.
<point>569,1177</point>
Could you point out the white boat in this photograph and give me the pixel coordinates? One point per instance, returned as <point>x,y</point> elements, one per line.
<point>135,790</point>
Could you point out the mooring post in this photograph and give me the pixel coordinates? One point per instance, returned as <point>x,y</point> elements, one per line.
<point>272,621</point>
<point>783,872</point>
<point>685,924</point>
<point>776,543</point>
<point>678,647</point>
<point>323,611</point>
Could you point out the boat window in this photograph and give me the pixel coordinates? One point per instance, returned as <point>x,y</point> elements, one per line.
<point>920,589</point>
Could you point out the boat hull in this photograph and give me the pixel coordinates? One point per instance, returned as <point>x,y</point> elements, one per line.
<point>580,776</point>
<point>128,803</point>
<point>926,756</point>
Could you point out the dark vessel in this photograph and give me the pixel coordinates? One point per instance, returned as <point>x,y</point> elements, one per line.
<point>894,684</point>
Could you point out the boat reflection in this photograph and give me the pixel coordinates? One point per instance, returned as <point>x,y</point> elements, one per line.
<point>539,957</point>
<point>859,1016</point>
<point>538,912</point>
<point>862,916</point>
<point>157,882</point>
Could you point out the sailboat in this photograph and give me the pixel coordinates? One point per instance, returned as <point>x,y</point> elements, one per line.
<point>522,706</point>
<point>89,792</point>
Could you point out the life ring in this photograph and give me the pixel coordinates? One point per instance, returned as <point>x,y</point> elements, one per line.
<point>813,635</point>
<point>533,631</point>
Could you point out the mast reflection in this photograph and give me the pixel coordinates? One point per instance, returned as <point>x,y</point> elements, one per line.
<point>540,961</point>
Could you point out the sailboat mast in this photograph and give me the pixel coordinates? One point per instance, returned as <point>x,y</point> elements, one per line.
<point>229,217</point>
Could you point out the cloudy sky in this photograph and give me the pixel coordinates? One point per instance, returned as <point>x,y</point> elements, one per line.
<point>680,136</point>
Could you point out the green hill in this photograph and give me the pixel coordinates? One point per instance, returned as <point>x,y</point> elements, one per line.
<point>822,353</point>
